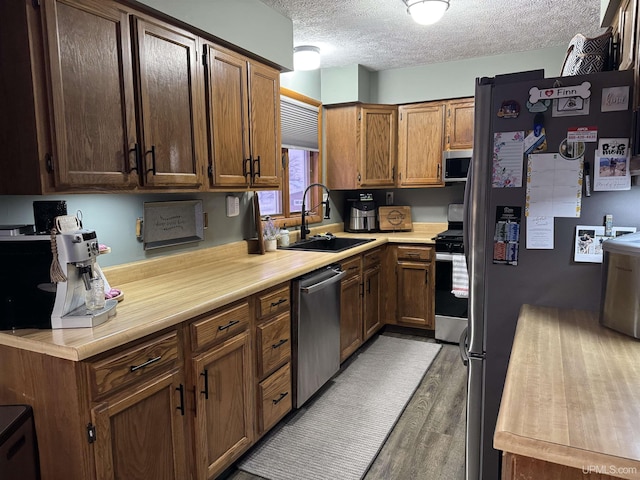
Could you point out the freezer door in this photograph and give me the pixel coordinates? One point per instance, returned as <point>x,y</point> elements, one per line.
<point>473,458</point>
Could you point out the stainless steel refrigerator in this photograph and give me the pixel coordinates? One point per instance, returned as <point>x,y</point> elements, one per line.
<point>541,277</point>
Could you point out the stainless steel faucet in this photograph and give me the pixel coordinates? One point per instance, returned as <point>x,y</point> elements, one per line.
<point>303,228</point>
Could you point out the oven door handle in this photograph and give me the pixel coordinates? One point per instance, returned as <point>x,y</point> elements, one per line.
<point>446,257</point>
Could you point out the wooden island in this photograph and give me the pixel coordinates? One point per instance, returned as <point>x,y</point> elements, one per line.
<point>571,401</point>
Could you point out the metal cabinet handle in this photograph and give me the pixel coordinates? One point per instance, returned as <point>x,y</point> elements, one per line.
<point>256,171</point>
<point>228,325</point>
<point>368,285</point>
<point>145,364</point>
<point>279,302</point>
<point>153,159</point>
<point>181,406</point>
<point>282,395</point>
<point>279,344</point>
<point>205,374</point>
<point>426,277</point>
<point>248,171</point>
<point>136,156</point>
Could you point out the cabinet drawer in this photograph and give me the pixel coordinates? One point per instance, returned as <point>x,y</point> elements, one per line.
<point>372,258</point>
<point>219,326</point>
<point>274,344</point>
<point>274,302</point>
<point>351,266</point>
<point>136,363</point>
<point>415,253</point>
<point>274,396</point>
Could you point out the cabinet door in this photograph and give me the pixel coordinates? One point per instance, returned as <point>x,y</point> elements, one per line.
<point>264,131</point>
<point>171,105</point>
<point>460,124</point>
<point>378,137</point>
<point>372,302</point>
<point>224,405</point>
<point>93,116</point>
<point>140,434</point>
<point>415,294</point>
<point>350,316</point>
<point>228,111</point>
<point>421,133</point>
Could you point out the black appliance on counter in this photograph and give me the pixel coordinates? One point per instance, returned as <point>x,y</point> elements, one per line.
<point>360,215</point>
<point>26,292</point>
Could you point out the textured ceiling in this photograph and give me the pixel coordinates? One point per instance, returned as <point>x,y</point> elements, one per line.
<point>380,35</point>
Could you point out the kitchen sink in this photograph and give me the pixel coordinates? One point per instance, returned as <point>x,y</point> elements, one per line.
<point>327,243</point>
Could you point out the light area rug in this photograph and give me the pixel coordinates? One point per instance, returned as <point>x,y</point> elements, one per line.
<point>337,435</point>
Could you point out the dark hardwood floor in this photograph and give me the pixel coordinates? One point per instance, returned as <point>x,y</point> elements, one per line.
<point>427,443</point>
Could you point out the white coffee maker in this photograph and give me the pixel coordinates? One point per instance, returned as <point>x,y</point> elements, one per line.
<point>76,252</point>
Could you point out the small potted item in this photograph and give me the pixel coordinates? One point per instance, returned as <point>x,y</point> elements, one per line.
<point>270,234</point>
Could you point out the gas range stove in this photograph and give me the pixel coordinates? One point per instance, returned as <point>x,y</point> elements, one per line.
<point>451,240</point>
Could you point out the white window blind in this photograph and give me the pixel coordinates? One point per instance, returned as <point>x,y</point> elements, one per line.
<point>299,124</point>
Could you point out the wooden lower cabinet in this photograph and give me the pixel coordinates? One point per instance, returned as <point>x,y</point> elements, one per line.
<point>273,358</point>
<point>223,405</point>
<point>140,433</point>
<point>415,287</point>
<point>361,305</point>
<point>350,308</point>
<point>519,467</point>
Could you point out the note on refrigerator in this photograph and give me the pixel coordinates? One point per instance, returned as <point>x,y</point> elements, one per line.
<point>539,233</point>
<point>508,156</point>
<point>554,186</point>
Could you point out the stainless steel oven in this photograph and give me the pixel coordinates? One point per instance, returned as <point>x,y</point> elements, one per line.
<point>451,302</point>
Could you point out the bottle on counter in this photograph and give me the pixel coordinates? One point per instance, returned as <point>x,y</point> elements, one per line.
<point>284,236</point>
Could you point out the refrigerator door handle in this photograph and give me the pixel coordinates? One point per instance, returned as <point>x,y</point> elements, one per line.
<point>464,351</point>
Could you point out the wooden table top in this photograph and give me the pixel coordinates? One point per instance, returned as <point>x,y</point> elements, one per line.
<point>572,393</point>
<point>165,291</point>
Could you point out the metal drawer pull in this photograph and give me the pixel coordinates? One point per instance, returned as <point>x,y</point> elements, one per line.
<point>228,325</point>
<point>413,254</point>
<point>279,344</point>
<point>205,374</point>
<point>279,302</point>
<point>352,268</point>
<point>147,363</point>
<point>282,395</point>
<point>181,406</point>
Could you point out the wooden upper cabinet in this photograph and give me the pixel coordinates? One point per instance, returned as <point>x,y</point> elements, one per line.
<point>92,94</point>
<point>228,108</point>
<point>243,99</point>
<point>460,124</point>
<point>265,137</point>
<point>421,141</point>
<point>361,146</point>
<point>171,106</point>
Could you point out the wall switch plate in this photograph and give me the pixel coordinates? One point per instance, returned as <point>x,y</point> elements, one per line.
<point>389,200</point>
<point>233,206</point>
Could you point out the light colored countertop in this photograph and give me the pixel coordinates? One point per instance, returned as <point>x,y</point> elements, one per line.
<point>572,393</point>
<point>165,291</point>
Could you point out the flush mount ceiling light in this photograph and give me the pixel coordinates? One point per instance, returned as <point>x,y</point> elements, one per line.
<point>426,12</point>
<point>306,57</point>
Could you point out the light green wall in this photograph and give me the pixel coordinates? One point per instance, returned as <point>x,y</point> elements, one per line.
<point>249,24</point>
<point>457,79</point>
<point>340,84</point>
<point>305,82</point>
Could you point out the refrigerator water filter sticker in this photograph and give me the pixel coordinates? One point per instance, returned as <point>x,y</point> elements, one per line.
<point>507,235</point>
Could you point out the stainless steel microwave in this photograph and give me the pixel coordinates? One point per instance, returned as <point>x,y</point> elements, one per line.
<point>456,165</point>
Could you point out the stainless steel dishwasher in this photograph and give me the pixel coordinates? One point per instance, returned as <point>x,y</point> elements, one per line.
<point>316,330</point>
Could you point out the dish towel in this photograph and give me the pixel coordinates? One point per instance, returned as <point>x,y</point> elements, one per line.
<point>460,280</point>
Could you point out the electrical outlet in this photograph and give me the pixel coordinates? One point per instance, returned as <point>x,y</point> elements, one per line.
<point>389,198</point>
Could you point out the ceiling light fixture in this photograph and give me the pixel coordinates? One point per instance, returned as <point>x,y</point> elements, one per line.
<point>306,57</point>
<point>426,12</point>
